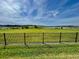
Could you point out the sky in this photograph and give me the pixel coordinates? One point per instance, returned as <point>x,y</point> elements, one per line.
<point>39,12</point>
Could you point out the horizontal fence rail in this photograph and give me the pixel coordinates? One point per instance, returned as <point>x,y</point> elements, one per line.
<point>42,38</point>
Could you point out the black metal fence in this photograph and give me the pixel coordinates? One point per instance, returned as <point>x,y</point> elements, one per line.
<point>27,38</point>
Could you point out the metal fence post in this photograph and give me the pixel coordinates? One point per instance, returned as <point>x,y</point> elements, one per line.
<point>5,43</point>
<point>76,37</point>
<point>43,39</point>
<point>60,37</point>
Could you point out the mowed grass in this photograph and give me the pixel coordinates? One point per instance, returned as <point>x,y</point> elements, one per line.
<point>52,51</point>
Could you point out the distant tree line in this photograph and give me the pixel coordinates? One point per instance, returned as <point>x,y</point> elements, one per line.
<point>36,26</point>
<point>21,26</point>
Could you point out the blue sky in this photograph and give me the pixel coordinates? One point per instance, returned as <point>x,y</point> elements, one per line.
<point>39,12</point>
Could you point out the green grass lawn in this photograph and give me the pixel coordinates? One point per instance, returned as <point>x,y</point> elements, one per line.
<point>55,51</point>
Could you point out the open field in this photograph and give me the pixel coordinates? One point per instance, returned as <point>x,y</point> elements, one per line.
<point>55,51</point>
<point>37,30</point>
